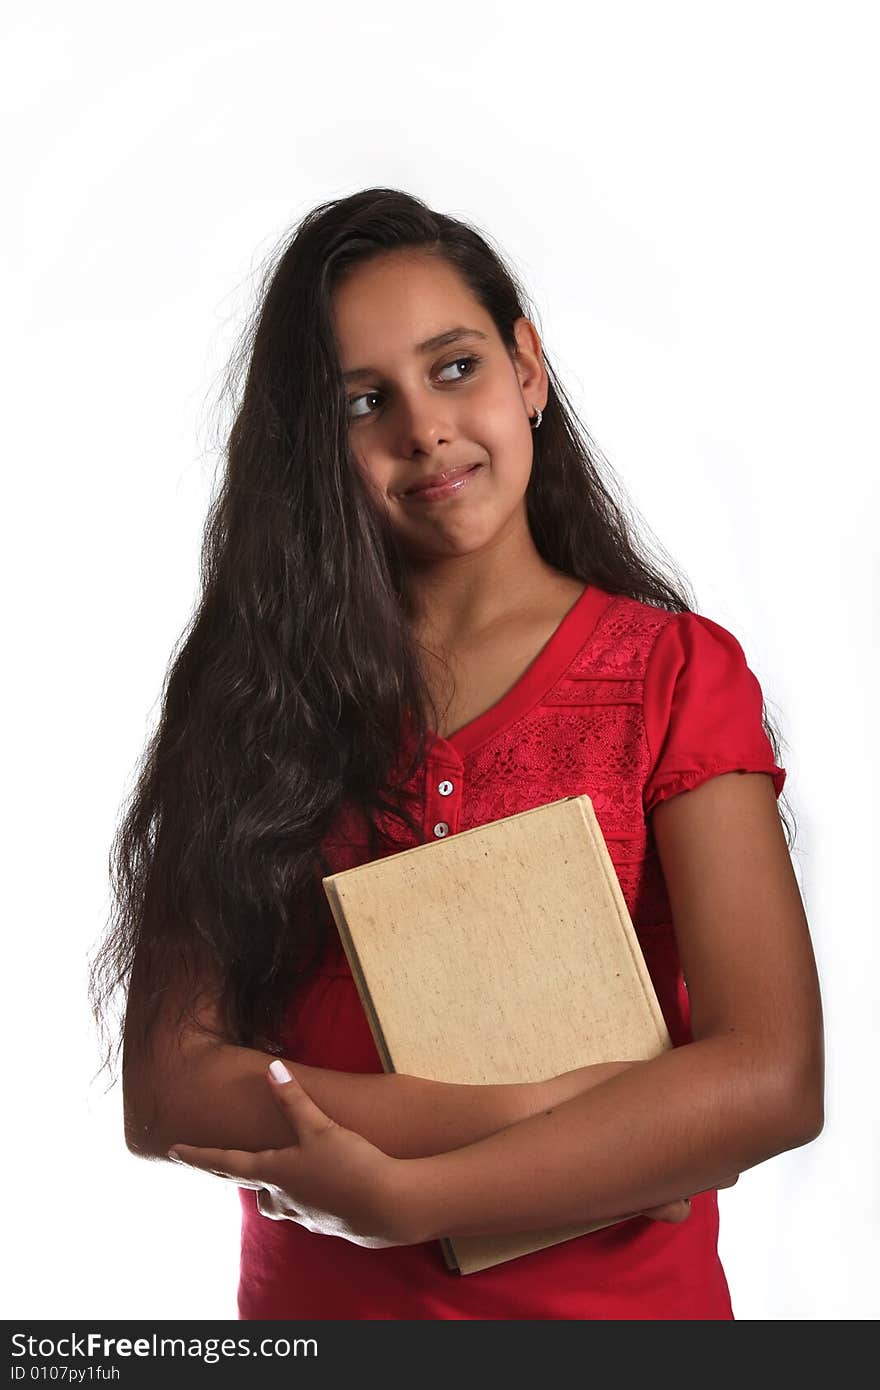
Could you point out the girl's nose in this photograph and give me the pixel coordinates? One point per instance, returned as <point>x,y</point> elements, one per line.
<point>420,422</point>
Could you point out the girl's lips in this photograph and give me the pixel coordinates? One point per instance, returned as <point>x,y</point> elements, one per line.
<point>447,489</point>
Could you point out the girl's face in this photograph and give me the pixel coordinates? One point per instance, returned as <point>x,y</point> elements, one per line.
<point>418,409</point>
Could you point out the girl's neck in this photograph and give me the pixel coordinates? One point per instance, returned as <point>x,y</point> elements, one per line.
<point>455,602</point>
<point>458,608</point>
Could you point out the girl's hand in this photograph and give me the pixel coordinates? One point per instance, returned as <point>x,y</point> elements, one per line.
<point>681,1209</point>
<point>330,1180</point>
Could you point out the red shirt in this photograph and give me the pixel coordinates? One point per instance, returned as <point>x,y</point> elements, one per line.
<point>630,704</point>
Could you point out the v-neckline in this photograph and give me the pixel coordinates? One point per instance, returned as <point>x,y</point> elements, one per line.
<point>542,672</point>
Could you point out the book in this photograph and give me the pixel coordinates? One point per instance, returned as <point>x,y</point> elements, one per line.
<point>503,953</point>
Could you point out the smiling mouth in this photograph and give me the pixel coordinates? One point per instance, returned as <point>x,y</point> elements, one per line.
<point>452,483</point>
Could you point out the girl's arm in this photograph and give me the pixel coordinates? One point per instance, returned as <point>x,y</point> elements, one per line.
<point>193,1088</point>
<point>216,1097</point>
<point>749,1086</point>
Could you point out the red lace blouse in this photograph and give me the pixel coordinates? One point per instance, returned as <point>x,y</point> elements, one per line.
<point>630,704</point>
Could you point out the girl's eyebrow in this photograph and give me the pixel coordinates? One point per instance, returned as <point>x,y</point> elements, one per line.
<point>452,335</point>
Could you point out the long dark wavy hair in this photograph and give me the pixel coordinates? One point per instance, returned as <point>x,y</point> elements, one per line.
<point>288,690</point>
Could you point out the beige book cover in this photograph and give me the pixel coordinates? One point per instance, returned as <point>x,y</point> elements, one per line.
<point>502,953</point>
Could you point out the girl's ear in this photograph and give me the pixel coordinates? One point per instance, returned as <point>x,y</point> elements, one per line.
<point>529,363</point>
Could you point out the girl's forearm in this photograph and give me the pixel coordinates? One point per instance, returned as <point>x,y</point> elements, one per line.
<point>680,1123</point>
<point>216,1095</point>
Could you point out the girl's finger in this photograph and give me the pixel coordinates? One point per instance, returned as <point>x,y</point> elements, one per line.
<point>673,1212</point>
<point>299,1108</point>
<point>245,1168</point>
<point>269,1206</point>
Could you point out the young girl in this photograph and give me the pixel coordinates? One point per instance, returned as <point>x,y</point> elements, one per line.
<point>424,611</point>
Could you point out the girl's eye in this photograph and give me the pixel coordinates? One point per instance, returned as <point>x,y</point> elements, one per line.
<point>457,361</point>
<point>472,362</point>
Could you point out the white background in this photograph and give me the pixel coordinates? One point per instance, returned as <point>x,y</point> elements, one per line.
<point>689,192</point>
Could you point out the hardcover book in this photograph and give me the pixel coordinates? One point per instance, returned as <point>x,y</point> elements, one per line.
<point>504,953</point>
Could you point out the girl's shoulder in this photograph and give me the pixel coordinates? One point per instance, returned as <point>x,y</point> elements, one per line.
<point>618,633</point>
<point>630,632</point>
<point>701,702</point>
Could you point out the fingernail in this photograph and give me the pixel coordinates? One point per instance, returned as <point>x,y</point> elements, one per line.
<point>175,1157</point>
<point>279,1071</point>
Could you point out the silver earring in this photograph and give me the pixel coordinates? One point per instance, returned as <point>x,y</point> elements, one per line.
<point>536,418</point>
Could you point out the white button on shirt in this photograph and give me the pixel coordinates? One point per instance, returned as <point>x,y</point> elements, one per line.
<point>445,788</point>
<point>441,829</point>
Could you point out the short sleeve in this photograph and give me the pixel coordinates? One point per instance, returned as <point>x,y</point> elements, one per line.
<point>703,710</point>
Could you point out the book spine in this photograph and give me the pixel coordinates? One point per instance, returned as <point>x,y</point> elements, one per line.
<point>357,973</point>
